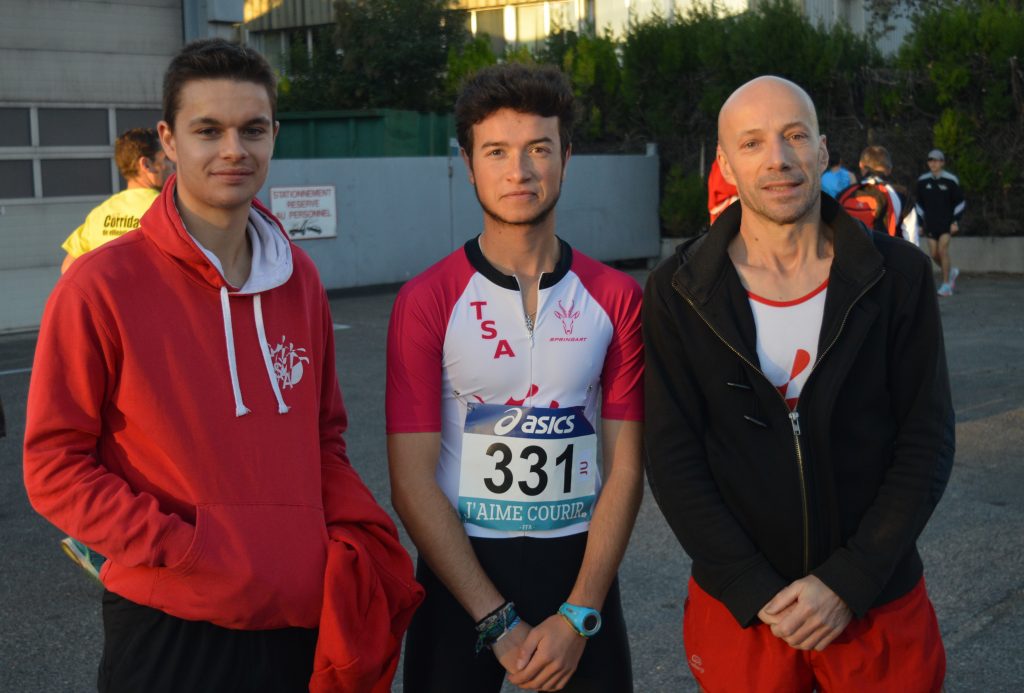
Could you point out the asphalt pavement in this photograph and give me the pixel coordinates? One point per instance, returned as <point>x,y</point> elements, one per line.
<point>50,637</point>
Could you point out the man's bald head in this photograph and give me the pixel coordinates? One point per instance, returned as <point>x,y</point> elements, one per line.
<point>763,91</point>
<point>770,148</point>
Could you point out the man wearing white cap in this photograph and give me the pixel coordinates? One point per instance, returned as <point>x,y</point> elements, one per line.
<point>940,204</point>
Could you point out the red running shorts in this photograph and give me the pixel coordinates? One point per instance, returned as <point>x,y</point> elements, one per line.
<point>895,647</point>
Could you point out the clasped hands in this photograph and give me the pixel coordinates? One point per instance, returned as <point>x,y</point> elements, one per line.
<point>807,615</point>
<point>542,657</point>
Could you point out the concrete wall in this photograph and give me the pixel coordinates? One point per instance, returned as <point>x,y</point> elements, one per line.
<point>96,54</point>
<point>988,254</point>
<point>110,53</point>
<point>395,218</point>
<point>30,255</point>
<point>398,216</point>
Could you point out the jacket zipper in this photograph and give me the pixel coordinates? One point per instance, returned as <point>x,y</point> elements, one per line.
<point>794,415</point>
<point>794,418</point>
<point>794,421</point>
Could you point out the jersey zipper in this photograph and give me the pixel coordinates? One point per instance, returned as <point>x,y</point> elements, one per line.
<point>794,414</point>
<point>531,329</point>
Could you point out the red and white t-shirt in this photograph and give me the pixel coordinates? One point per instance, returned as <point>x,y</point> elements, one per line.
<point>787,339</point>
<point>459,344</point>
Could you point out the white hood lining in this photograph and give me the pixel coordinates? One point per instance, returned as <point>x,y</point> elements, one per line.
<point>271,255</point>
<point>271,267</point>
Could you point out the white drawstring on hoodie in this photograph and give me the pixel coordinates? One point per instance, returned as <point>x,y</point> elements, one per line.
<point>271,267</point>
<point>229,341</point>
<point>261,334</point>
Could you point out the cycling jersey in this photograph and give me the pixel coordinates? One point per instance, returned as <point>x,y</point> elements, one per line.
<point>460,344</point>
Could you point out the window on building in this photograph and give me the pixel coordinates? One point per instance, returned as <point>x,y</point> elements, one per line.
<point>63,152</point>
<point>273,45</point>
<point>531,29</point>
<point>563,16</point>
<point>491,23</point>
<point>128,118</point>
<point>15,128</point>
<point>71,177</point>
<point>16,178</point>
<point>73,127</point>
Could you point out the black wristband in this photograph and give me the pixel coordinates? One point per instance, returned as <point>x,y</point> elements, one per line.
<point>493,614</point>
<point>494,625</point>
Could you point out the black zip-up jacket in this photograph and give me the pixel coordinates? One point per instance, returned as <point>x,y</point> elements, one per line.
<point>840,488</point>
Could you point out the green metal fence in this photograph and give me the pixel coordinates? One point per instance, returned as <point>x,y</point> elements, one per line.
<point>370,133</point>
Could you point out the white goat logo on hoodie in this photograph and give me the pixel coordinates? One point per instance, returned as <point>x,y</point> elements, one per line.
<point>288,362</point>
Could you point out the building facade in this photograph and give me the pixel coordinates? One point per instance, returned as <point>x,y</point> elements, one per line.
<point>528,22</point>
<point>277,27</point>
<point>73,75</point>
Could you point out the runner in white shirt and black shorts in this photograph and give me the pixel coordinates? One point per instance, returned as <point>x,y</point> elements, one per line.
<point>506,361</point>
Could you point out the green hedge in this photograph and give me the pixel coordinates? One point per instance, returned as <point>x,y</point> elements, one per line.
<point>956,84</point>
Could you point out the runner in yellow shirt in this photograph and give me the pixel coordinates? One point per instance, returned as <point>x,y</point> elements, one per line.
<point>145,167</point>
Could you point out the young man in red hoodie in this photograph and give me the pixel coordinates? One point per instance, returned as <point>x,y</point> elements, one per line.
<point>184,419</point>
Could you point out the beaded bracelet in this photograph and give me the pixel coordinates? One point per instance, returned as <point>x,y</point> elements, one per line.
<point>494,625</point>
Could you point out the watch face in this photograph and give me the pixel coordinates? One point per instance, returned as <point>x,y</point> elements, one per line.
<point>590,622</point>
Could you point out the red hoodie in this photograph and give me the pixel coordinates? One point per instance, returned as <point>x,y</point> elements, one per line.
<point>192,432</point>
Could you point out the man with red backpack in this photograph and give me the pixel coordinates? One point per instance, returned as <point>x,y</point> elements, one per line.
<point>721,193</point>
<point>874,200</point>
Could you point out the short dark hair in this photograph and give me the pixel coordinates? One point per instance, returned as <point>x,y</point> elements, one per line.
<point>876,159</point>
<point>133,144</point>
<point>541,90</point>
<point>834,158</point>
<point>215,58</point>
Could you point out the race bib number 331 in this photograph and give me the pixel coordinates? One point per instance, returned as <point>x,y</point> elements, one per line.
<point>527,468</point>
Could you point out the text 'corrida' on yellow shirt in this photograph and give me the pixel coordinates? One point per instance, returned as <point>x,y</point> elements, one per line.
<point>115,217</point>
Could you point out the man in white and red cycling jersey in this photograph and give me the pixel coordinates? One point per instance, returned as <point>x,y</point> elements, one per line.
<point>506,360</point>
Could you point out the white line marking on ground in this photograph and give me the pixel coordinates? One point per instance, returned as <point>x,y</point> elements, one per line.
<point>15,371</point>
<point>339,326</point>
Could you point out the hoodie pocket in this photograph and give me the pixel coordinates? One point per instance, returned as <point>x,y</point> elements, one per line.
<point>187,561</point>
<point>250,566</point>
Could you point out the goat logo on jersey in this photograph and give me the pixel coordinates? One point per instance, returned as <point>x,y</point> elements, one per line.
<point>287,361</point>
<point>567,316</point>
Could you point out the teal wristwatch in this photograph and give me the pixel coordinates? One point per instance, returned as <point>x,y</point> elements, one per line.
<point>583,619</point>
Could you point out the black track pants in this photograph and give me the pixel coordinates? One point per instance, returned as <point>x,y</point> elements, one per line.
<point>148,650</point>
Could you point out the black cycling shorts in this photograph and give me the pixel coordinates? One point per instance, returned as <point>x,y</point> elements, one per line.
<point>937,231</point>
<point>536,574</point>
